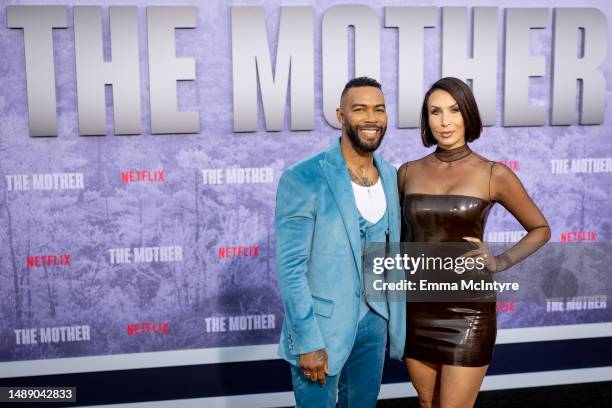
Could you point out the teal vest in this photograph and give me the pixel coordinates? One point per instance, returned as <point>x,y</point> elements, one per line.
<point>378,232</point>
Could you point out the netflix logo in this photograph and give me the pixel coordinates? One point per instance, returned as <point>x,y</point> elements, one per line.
<point>578,236</point>
<point>148,328</point>
<point>36,261</point>
<point>142,176</point>
<point>511,164</point>
<point>237,251</point>
<point>505,307</point>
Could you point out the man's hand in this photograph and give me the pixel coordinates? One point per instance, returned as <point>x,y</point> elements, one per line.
<point>314,365</point>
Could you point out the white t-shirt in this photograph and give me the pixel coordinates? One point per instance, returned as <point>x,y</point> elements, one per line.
<point>371,201</point>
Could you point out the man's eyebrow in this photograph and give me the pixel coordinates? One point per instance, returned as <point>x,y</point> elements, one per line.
<point>364,104</point>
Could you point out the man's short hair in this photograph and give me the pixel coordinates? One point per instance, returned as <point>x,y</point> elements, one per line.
<point>360,81</point>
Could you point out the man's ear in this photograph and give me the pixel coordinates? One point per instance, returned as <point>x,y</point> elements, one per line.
<point>340,115</point>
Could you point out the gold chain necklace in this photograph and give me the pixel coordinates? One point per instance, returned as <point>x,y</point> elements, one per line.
<point>368,184</point>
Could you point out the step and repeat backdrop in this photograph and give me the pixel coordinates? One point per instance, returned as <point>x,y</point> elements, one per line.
<point>141,143</point>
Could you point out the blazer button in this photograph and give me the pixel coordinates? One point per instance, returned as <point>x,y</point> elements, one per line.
<point>356,294</point>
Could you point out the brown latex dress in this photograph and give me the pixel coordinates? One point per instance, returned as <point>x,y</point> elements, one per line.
<point>446,196</point>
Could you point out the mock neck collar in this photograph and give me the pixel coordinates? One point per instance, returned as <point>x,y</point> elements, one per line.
<point>450,155</point>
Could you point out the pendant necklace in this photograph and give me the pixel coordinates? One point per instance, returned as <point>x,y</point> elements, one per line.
<point>367,185</point>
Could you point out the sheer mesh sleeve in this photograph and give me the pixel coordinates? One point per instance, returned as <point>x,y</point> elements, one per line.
<point>507,189</point>
<point>401,179</point>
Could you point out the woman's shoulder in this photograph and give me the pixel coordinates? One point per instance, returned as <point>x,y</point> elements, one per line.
<point>497,169</point>
<point>481,159</point>
<point>411,164</point>
<point>412,168</point>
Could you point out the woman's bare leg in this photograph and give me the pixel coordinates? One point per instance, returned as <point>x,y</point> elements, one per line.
<point>459,386</point>
<point>425,379</point>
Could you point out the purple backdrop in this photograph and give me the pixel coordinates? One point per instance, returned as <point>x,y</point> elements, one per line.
<point>204,219</point>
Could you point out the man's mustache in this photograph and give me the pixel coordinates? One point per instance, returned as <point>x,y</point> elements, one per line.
<point>369,127</point>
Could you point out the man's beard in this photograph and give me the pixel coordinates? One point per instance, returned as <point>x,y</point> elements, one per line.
<point>361,145</point>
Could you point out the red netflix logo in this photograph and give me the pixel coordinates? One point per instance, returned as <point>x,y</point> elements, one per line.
<point>148,328</point>
<point>237,251</point>
<point>505,307</point>
<point>36,261</point>
<point>511,164</point>
<point>142,176</point>
<point>578,236</point>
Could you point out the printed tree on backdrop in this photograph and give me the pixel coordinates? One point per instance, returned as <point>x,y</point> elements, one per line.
<point>532,148</point>
<point>593,259</point>
<point>227,215</point>
<point>37,223</point>
<point>569,201</point>
<point>138,209</point>
<point>552,194</point>
<point>570,194</point>
<point>196,207</point>
<point>123,216</point>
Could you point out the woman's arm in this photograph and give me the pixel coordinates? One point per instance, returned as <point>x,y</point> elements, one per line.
<point>507,189</point>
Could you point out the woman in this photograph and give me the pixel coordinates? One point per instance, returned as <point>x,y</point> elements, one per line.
<point>446,197</point>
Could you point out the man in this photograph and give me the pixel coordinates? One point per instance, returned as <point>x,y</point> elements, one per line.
<point>328,207</point>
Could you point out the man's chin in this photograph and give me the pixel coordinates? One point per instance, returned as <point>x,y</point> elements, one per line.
<point>364,146</point>
<point>370,145</point>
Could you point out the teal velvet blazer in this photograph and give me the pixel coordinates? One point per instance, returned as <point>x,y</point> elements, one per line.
<point>318,258</point>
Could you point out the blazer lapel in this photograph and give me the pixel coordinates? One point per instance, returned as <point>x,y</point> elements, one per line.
<point>339,182</point>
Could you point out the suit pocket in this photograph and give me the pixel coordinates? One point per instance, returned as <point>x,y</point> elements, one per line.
<point>322,307</point>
